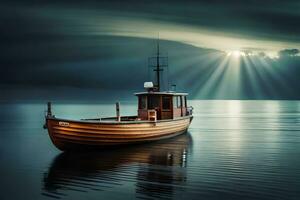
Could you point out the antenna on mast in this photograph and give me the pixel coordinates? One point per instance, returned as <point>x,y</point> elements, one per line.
<point>157,65</point>
<point>158,43</point>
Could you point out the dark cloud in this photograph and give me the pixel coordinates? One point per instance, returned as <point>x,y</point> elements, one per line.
<point>62,44</point>
<point>272,20</point>
<point>289,52</point>
<point>262,54</point>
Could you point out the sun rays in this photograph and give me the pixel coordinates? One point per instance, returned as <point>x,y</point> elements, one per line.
<point>233,75</point>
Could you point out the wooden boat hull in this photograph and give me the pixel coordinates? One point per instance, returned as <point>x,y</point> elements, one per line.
<point>82,134</point>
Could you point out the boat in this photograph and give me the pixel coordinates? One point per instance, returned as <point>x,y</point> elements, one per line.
<point>160,115</point>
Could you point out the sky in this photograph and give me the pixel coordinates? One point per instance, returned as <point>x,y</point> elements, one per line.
<point>216,49</point>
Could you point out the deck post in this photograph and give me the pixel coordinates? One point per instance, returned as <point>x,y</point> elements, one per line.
<point>118,111</point>
<point>49,111</point>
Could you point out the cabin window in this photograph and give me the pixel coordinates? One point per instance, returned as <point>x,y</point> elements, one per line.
<point>153,102</point>
<point>177,102</point>
<point>166,103</point>
<point>185,104</point>
<point>174,101</point>
<point>142,102</point>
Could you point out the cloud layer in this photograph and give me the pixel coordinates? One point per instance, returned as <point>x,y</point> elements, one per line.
<point>96,44</point>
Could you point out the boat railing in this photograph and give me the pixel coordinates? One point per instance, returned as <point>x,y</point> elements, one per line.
<point>123,118</point>
<point>189,110</point>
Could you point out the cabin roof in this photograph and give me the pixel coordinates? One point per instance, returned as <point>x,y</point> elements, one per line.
<point>161,93</point>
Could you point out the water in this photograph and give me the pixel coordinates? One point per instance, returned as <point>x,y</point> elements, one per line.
<point>233,150</point>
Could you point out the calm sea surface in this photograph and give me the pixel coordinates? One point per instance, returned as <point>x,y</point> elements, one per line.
<point>233,150</point>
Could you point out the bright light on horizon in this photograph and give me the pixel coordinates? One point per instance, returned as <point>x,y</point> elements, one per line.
<point>236,53</point>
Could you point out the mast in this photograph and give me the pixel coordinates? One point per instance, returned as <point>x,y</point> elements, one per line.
<point>157,67</point>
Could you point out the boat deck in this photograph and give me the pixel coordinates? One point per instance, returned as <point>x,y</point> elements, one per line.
<point>113,120</point>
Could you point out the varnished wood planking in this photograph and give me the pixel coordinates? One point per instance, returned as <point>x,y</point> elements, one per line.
<point>119,127</point>
<point>119,136</point>
<point>139,134</point>
<point>113,140</point>
<point>112,129</point>
<point>65,141</point>
<point>103,134</point>
<point>116,133</point>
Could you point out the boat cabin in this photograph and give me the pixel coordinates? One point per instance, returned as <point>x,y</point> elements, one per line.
<point>156,105</point>
<point>161,105</point>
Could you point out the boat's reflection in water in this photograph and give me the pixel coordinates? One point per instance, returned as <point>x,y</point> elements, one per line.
<point>155,169</point>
